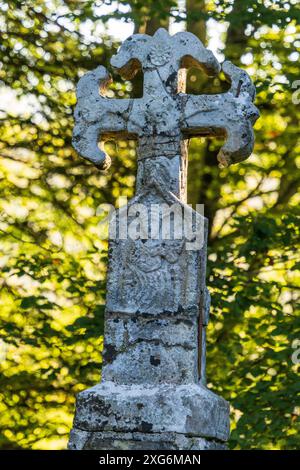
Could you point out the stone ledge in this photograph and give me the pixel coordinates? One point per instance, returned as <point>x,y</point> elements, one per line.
<point>188,409</point>
<point>181,313</point>
<point>110,440</point>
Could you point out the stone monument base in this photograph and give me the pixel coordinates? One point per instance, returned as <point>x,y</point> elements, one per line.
<point>111,440</point>
<point>163,417</point>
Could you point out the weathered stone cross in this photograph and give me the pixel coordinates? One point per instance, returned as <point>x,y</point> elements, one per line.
<point>153,394</point>
<point>165,116</point>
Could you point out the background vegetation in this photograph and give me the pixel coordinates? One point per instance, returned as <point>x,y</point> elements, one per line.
<point>53,261</point>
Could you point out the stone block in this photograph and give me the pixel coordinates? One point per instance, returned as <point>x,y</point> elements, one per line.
<point>190,409</point>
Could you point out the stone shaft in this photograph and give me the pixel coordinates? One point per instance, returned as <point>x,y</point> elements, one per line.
<point>152,394</point>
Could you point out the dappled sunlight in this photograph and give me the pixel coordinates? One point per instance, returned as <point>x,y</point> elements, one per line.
<point>53,236</point>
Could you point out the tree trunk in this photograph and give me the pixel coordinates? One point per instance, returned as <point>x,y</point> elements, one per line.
<point>149,21</point>
<point>236,40</point>
<point>194,22</point>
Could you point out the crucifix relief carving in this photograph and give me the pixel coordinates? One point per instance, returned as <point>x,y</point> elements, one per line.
<point>153,394</point>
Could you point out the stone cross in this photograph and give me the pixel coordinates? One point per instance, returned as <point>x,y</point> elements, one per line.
<point>153,394</point>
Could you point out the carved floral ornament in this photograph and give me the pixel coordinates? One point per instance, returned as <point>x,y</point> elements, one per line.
<point>160,54</point>
<point>164,110</point>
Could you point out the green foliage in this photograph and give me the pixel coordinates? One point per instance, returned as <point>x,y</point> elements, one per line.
<point>54,259</point>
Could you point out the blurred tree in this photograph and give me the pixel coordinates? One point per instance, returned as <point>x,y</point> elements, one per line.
<point>196,18</point>
<point>148,16</point>
<point>54,260</point>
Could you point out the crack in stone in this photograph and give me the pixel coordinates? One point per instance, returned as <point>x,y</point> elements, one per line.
<point>155,433</point>
<point>132,345</point>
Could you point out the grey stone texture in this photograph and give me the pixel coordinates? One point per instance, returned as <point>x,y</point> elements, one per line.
<point>189,409</point>
<point>153,393</point>
<point>108,440</point>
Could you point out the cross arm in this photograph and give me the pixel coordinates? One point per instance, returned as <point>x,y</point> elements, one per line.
<point>231,114</point>
<point>97,117</point>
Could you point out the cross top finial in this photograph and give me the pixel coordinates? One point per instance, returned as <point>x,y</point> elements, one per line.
<point>165,116</point>
<point>163,54</point>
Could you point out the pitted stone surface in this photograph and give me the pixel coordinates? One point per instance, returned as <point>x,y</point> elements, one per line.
<point>185,409</point>
<point>151,351</point>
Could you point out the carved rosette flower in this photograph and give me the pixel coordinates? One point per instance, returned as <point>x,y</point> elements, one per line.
<point>160,54</point>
